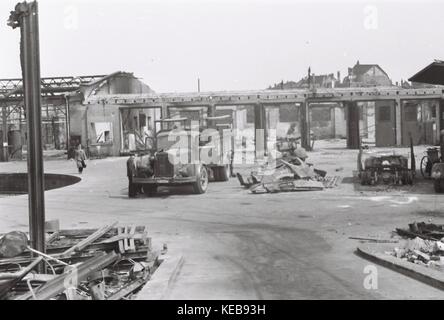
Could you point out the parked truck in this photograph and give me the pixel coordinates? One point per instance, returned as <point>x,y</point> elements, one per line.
<point>182,155</point>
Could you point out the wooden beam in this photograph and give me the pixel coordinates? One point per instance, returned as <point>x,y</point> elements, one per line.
<point>89,240</point>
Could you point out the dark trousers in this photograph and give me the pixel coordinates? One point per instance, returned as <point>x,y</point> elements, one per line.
<point>80,170</point>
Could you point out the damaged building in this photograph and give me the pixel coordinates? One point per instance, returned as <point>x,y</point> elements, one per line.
<point>116,114</point>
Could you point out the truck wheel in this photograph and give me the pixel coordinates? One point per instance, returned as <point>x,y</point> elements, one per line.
<point>201,185</point>
<point>222,173</point>
<point>439,185</point>
<point>150,190</point>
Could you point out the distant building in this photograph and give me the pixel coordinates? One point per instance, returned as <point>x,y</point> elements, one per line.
<point>316,81</point>
<point>366,75</point>
<point>288,85</point>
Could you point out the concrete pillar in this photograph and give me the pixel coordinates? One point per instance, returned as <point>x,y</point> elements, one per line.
<point>305,126</point>
<point>164,110</point>
<point>211,113</point>
<point>438,120</point>
<point>353,132</point>
<point>398,121</point>
<point>260,128</point>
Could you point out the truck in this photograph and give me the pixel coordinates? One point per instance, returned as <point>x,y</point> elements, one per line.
<point>198,157</point>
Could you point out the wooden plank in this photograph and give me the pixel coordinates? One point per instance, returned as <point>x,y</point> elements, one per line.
<point>141,253</point>
<point>374,240</point>
<point>132,245</point>
<point>89,240</point>
<point>58,285</point>
<point>121,231</point>
<point>53,237</point>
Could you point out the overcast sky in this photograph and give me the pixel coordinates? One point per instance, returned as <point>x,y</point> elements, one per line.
<point>230,45</point>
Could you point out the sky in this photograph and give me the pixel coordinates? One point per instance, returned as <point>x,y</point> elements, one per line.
<point>229,45</point>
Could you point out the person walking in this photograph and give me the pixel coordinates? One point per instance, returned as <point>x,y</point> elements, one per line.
<point>80,158</point>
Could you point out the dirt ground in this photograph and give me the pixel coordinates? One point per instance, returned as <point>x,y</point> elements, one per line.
<point>238,245</point>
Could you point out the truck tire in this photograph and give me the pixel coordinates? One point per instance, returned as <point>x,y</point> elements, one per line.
<point>201,185</point>
<point>439,185</point>
<point>221,173</point>
<point>150,190</point>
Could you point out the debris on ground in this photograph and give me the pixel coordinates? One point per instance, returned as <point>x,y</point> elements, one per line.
<point>422,230</point>
<point>110,263</point>
<point>290,173</point>
<point>371,239</point>
<point>422,244</point>
<point>388,169</point>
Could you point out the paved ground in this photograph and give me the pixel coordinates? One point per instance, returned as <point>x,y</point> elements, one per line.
<point>238,245</point>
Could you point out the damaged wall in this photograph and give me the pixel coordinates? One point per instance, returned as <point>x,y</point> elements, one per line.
<point>98,126</point>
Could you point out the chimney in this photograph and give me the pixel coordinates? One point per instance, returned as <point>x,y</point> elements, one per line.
<point>339,76</point>
<point>357,63</point>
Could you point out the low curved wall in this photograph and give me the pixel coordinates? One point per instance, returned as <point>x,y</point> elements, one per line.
<point>17,183</point>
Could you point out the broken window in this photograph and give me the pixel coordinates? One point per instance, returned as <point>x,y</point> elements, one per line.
<point>102,132</point>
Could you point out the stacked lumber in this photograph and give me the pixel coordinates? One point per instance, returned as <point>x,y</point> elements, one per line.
<point>109,263</point>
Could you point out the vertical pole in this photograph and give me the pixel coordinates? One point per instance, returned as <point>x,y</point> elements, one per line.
<point>4,133</point>
<point>26,16</point>
<point>305,128</point>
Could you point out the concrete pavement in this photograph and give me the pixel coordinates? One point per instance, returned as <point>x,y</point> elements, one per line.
<point>238,245</point>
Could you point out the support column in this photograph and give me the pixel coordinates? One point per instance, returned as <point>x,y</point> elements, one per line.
<point>164,110</point>
<point>211,113</point>
<point>398,123</point>
<point>25,16</point>
<point>67,123</point>
<point>305,126</point>
<point>260,127</point>
<point>333,121</point>
<point>353,133</point>
<point>5,154</point>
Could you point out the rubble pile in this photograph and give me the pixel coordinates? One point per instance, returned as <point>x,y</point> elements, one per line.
<point>291,173</point>
<point>423,244</point>
<point>110,263</point>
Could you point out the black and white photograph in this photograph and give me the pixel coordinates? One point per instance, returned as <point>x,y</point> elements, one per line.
<point>235,151</point>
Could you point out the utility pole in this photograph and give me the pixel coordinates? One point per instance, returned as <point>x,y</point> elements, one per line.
<point>25,17</point>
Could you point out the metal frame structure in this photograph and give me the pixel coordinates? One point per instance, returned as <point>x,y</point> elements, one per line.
<point>50,86</point>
